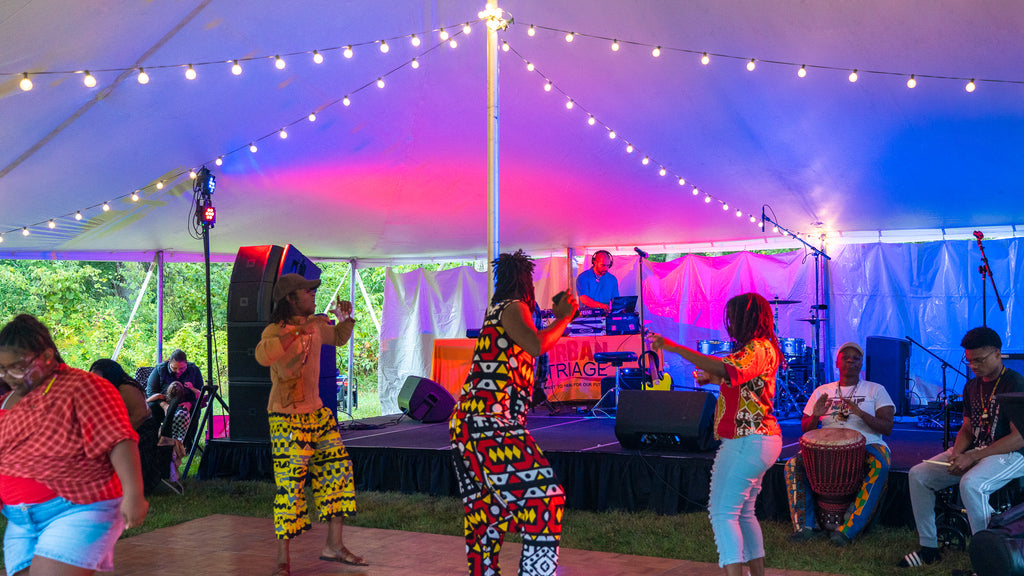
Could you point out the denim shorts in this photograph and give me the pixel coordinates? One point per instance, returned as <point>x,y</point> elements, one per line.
<point>82,535</point>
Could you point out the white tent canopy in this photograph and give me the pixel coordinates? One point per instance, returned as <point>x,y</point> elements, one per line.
<point>401,172</point>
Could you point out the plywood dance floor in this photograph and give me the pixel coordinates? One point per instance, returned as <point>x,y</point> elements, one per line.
<point>222,545</point>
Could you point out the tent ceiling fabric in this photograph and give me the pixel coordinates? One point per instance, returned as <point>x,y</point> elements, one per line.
<point>402,171</point>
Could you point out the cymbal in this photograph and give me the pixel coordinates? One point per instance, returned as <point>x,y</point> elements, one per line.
<point>812,320</point>
<point>778,300</point>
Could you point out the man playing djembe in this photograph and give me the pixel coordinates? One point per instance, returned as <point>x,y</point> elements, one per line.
<point>853,404</point>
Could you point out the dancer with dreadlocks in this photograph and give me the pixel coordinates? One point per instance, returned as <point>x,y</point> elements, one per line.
<point>746,424</point>
<point>505,481</point>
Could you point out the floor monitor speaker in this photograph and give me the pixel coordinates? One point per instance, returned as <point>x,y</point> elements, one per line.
<point>666,420</point>
<point>425,400</point>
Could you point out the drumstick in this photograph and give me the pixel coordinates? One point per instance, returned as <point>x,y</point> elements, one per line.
<point>936,462</point>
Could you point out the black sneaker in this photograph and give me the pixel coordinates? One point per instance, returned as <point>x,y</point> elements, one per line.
<point>839,539</point>
<point>803,535</point>
<point>923,556</point>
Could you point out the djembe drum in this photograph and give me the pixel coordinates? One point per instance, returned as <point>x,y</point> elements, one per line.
<point>834,462</point>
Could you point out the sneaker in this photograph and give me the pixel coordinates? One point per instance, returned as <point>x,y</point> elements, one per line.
<point>803,535</point>
<point>920,558</point>
<point>839,539</point>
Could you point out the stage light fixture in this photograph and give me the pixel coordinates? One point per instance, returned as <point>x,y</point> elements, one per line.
<point>209,215</point>
<point>207,182</point>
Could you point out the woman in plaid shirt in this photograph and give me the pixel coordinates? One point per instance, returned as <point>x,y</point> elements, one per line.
<point>70,480</point>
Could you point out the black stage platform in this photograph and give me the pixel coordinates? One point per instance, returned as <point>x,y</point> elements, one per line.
<point>596,472</point>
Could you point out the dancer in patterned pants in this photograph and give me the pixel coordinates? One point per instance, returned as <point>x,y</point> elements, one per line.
<point>505,481</point>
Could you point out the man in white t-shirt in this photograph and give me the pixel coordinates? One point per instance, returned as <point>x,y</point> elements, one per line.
<point>847,403</point>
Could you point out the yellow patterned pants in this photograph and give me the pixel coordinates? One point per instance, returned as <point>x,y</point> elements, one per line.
<point>309,445</point>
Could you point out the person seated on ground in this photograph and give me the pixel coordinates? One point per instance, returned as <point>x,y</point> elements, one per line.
<point>847,403</point>
<point>988,451</point>
<point>596,286</point>
<point>138,413</point>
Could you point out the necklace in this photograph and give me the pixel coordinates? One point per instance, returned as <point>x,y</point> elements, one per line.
<point>991,396</point>
<point>844,410</point>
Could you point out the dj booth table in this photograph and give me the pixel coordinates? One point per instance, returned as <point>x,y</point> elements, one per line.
<point>574,376</point>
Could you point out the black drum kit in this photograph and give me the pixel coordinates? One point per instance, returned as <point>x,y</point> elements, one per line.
<point>796,376</point>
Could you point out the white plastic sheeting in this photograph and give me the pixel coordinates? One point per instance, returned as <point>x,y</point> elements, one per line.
<point>928,291</point>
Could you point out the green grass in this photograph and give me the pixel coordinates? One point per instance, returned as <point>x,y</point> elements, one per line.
<point>684,536</point>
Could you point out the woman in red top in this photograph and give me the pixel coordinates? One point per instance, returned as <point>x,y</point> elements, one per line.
<point>746,424</point>
<point>66,450</point>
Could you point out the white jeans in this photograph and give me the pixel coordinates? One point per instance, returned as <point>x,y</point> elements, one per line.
<point>976,485</point>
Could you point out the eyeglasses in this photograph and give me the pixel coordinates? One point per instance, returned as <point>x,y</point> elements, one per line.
<point>980,360</point>
<point>19,369</point>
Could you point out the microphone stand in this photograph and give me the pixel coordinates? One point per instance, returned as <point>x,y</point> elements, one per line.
<point>986,272</point>
<point>945,396</point>
<point>818,254</point>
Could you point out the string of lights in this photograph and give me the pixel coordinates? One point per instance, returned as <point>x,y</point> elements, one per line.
<point>137,194</point>
<point>190,68</point>
<point>800,68</point>
<point>573,104</point>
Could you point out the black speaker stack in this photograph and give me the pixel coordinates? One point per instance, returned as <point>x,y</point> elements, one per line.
<point>250,298</point>
<point>887,362</point>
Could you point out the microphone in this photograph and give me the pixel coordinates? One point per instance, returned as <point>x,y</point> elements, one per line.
<point>640,252</point>
<point>978,234</point>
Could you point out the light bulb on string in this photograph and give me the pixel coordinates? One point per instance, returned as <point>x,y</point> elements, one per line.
<point>752,219</point>
<point>219,161</point>
<point>505,47</point>
<point>570,37</point>
<point>193,175</point>
<point>443,34</point>
<point>348,52</point>
<point>705,59</point>
<point>106,207</point>
<point>629,148</point>
<point>531,32</point>
<point>569,104</point>
<point>380,82</point>
<point>739,213</point>
<point>970,86</point>
<point>751,64</point>
<point>346,101</point>
<point>802,72</point>
<point>415,40</point>
<point>725,206</point>
<point>646,160</point>
<point>467,29</point>
<point>547,87</point>
<point>529,66</point>
<point>1,237</point>
<point>78,215</point>
<point>611,134</point>
<point>656,52</point>
<point>143,78</point>
<point>662,172</point>
<point>278,63</point>
<point>682,181</point>
<point>160,185</point>
<point>52,224</point>
<point>311,117</point>
<point>695,191</point>
<point>253,148</point>
<point>89,80</point>
<point>453,43</point>
<point>415,64</point>
<point>615,45</point>
<point>853,76</point>
<point>190,73</point>
<point>775,228</point>
<point>283,133</point>
<point>759,223</point>
<point>24,231</point>
<point>912,82</point>
<point>318,58</point>
<point>591,120</point>
<point>135,196</point>
<point>384,46</point>
<point>707,199</point>
<point>236,68</point>
<point>26,83</point>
